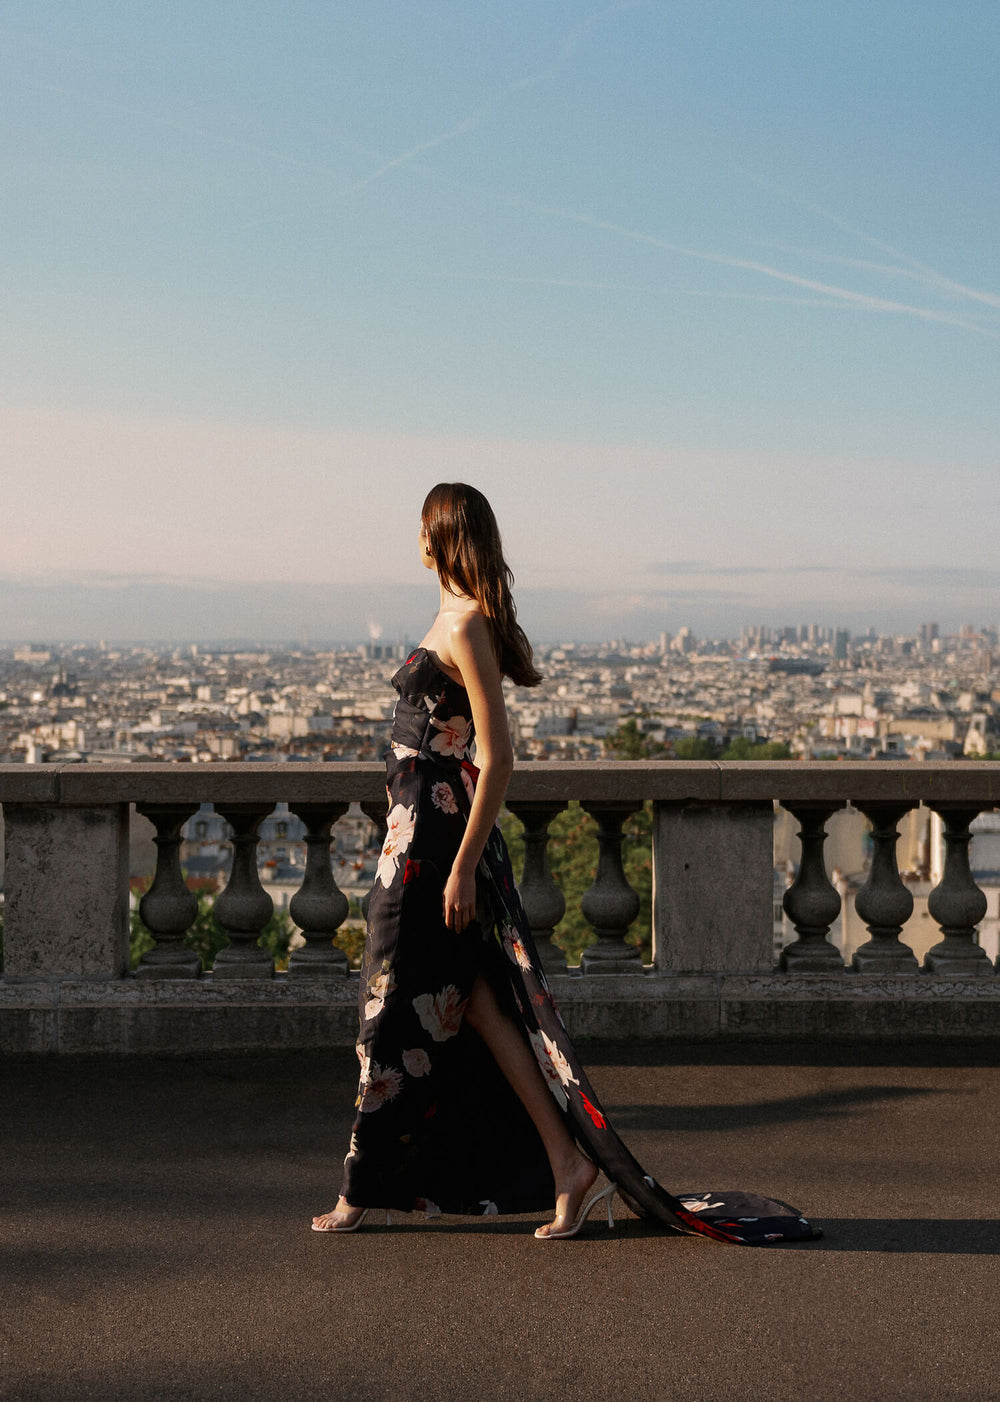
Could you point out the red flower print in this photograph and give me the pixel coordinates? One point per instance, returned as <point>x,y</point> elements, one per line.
<point>595,1114</point>
<point>411,871</point>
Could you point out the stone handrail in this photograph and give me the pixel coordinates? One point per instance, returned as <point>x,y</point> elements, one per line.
<point>66,986</point>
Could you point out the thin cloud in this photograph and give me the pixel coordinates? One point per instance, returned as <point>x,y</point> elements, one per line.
<point>845,294</point>
<point>929,276</point>
<point>477,115</point>
<point>683,567</point>
<point>640,290</point>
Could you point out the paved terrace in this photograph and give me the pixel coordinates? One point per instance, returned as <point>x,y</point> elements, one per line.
<point>156,1243</point>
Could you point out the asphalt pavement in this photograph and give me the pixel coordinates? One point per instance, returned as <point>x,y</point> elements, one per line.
<point>154,1227</point>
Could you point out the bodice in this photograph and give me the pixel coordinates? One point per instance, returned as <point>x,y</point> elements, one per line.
<point>432,716</point>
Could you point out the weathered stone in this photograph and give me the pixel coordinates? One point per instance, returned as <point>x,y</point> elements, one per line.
<point>66,891</point>
<point>610,904</point>
<point>319,907</point>
<point>811,902</point>
<point>544,903</point>
<point>884,902</point>
<point>712,888</point>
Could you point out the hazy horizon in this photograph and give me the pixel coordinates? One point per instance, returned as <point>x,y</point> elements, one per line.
<point>146,611</point>
<point>705,298</point>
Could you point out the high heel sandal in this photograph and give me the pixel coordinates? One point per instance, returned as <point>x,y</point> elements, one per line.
<point>608,1194</point>
<point>353,1226</point>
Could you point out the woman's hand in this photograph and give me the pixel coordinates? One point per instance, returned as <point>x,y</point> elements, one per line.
<point>460,899</point>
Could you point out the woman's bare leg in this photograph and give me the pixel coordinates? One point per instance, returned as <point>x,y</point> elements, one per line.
<point>572,1171</point>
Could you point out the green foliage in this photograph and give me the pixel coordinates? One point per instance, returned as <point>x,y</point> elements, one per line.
<point>206,936</point>
<point>742,748</point>
<point>573,859</point>
<point>628,742</point>
<point>695,747</point>
<point>351,935</point>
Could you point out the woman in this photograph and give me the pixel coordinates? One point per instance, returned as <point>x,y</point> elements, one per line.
<point>472,1098</point>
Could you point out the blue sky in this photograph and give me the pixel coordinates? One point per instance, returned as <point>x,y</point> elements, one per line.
<point>705,296</point>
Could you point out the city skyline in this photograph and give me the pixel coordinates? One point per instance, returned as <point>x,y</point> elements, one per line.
<point>705,300</point>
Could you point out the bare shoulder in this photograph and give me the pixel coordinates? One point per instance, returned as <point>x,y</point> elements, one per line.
<point>470,630</point>
<point>470,641</point>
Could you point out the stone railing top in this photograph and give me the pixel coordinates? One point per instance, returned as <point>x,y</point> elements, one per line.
<point>709,781</point>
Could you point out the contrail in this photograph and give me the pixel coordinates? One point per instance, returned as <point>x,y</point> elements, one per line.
<point>468,123</point>
<point>641,290</point>
<point>929,275</point>
<point>860,299</point>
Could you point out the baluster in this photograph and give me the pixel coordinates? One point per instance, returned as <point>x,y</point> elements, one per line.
<point>884,902</point>
<point>811,902</point>
<point>244,907</point>
<point>377,810</point>
<point>168,908</point>
<point>956,903</point>
<point>610,904</point>
<point>544,903</point>
<point>319,907</point>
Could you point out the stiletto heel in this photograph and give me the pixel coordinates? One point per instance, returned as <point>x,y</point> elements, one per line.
<point>608,1194</point>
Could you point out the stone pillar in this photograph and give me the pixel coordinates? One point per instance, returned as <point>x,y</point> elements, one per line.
<point>244,907</point>
<point>544,903</point>
<point>319,907</point>
<point>610,904</point>
<point>66,912</point>
<point>713,888</point>
<point>884,902</point>
<point>811,902</point>
<point>168,908</point>
<point>956,903</point>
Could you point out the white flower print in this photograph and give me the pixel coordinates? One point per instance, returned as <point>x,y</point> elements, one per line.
<point>382,1085</point>
<point>440,1014</point>
<point>404,751</point>
<point>429,1209</point>
<point>443,797</point>
<point>490,1209</point>
<point>400,824</point>
<point>454,736</point>
<point>700,1204</point>
<point>469,786</point>
<point>352,1148</point>
<point>554,1066</point>
<point>514,946</point>
<point>378,990</point>
<point>416,1062</point>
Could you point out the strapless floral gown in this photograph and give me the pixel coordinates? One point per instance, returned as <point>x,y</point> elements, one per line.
<point>438,1127</point>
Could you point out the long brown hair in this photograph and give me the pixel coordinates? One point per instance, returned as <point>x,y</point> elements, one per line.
<point>464,541</point>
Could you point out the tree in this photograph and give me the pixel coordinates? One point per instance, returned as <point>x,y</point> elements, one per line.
<point>573,859</point>
<point>743,748</point>
<point>628,742</point>
<point>695,747</point>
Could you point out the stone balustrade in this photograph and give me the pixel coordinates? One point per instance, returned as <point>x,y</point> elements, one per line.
<point>66,985</point>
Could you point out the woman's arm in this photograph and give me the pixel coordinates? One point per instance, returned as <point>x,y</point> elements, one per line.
<point>471,648</point>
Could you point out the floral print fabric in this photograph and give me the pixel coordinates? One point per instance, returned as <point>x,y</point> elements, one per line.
<point>438,1127</point>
